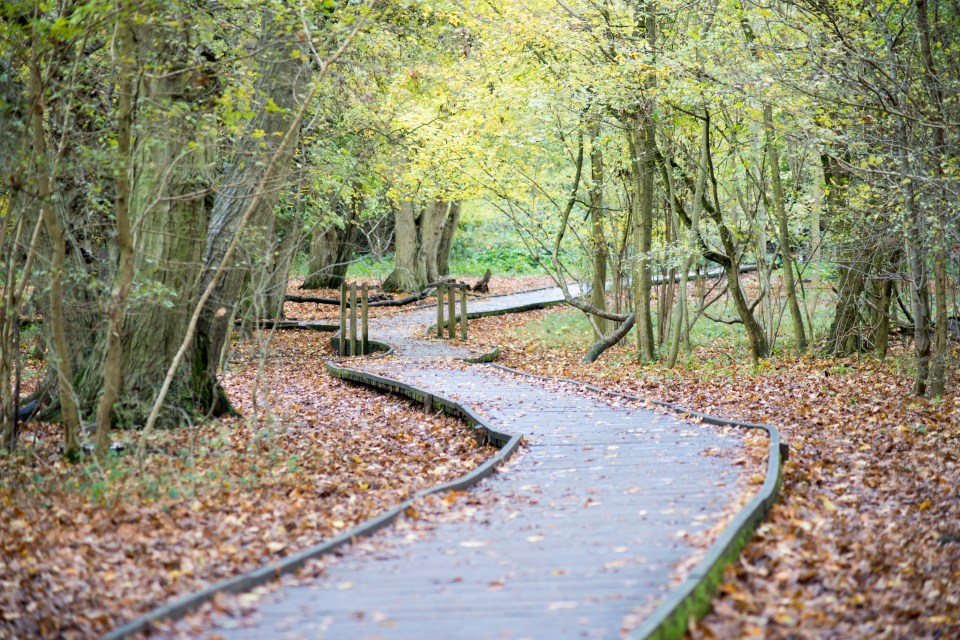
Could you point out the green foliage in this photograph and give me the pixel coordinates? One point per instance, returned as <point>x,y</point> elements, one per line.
<point>368,267</point>
<point>491,244</point>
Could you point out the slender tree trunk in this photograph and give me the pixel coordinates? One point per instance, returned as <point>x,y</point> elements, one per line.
<point>598,290</point>
<point>784,232</point>
<point>112,362</point>
<point>916,256</point>
<point>759,347</point>
<point>446,240</point>
<point>693,242</point>
<point>730,259</point>
<point>643,236</point>
<point>16,277</point>
<point>938,369</point>
<point>938,373</point>
<point>56,320</point>
<point>816,259</point>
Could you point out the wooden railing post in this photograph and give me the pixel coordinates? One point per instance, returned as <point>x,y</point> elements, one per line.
<point>452,305</point>
<point>353,319</point>
<point>439,310</point>
<point>342,344</point>
<point>365,310</point>
<point>463,313</point>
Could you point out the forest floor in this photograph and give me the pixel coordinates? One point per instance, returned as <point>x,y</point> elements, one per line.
<point>84,548</point>
<point>865,542</point>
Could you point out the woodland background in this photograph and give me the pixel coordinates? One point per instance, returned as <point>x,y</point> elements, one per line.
<point>774,182</point>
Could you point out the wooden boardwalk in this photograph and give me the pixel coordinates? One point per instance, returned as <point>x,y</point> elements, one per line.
<point>592,519</point>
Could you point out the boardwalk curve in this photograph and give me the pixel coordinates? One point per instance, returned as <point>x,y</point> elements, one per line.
<point>598,512</point>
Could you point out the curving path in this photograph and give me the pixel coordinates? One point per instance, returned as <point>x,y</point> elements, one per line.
<point>591,520</point>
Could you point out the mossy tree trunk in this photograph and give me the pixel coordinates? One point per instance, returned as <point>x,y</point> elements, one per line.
<point>419,231</point>
<point>409,268</point>
<point>256,170</point>
<point>332,245</point>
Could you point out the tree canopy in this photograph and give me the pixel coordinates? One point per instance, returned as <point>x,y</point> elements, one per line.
<point>166,161</point>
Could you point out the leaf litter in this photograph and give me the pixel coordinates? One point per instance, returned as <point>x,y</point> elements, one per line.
<point>865,541</point>
<point>86,548</point>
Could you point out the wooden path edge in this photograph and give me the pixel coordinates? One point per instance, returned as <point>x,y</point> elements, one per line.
<point>691,599</point>
<point>485,434</point>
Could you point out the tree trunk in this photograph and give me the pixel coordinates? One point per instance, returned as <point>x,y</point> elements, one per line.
<point>759,347</point>
<point>112,370</point>
<point>693,241</point>
<point>852,278</point>
<point>322,268</point>
<point>250,179</point>
<point>276,275</point>
<point>881,332</point>
<point>938,373</point>
<point>917,261</point>
<point>170,205</point>
<point>432,220</point>
<point>784,232</point>
<point>55,319</point>
<point>816,259</point>
<point>730,259</point>
<point>938,369</point>
<point>643,235</point>
<point>446,240</point>
<point>409,269</point>
<point>332,248</point>
<point>419,245</point>
<point>598,241</point>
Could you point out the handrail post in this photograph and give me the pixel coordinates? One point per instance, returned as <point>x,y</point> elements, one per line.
<point>439,310</point>
<point>452,322</point>
<point>342,343</point>
<point>365,311</point>
<point>353,319</point>
<point>463,313</point>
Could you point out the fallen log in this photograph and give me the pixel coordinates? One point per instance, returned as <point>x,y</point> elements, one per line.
<point>379,303</point>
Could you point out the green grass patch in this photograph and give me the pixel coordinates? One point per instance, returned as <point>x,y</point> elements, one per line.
<point>491,246</point>
<point>562,330</point>
<point>367,267</point>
